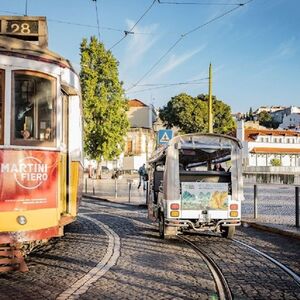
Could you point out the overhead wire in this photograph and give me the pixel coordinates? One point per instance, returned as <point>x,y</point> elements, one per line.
<point>165,86</point>
<point>130,31</point>
<point>177,83</point>
<point>79,24</point>
<point>182,37</point>
<point>97,16</point>
<point>196,3</point>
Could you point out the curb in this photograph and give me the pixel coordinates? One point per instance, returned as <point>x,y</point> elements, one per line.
<point>107,200</point>
<point>268,228</point>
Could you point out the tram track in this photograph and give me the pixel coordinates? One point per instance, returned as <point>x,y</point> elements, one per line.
<point>231,272</point>
<point>222,286</point>
<point>225,273</point>
<point>286,269</point>
<point>109,260</point>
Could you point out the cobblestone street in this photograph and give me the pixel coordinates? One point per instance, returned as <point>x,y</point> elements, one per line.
<point>113,252</point>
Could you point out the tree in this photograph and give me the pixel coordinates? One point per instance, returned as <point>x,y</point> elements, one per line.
<point>104,105</point>
<point>190,114</point>
<point>275,162</point>
<point>265,119</point>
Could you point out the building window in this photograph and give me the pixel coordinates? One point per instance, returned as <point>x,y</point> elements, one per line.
<point>33,114</point>
<point>2,85</point>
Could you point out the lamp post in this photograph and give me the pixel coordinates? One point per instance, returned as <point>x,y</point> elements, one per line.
<point>210,116</point>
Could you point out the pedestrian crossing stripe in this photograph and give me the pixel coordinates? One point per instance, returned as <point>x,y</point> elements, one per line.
<point>165,138</point>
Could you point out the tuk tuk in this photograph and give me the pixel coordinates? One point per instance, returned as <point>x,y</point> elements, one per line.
<point>186,192</point>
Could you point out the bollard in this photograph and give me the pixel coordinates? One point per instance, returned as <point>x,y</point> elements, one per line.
<point>116,188</point>
<point>86,185</point>
<point>94,187</point>
<point>129,191</point>
<point>297,205</point>
<point>255,201</point>
<point>147,192</point>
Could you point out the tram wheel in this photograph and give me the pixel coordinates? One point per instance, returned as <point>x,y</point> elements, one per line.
<point>161,225</point>
<point>228,232</point>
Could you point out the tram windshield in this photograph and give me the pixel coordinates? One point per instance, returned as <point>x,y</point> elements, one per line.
<point>33,108</point>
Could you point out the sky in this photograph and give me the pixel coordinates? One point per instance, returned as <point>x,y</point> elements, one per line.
<point>254,49</point>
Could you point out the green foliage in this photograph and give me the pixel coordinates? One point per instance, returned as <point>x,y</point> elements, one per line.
<point>249,115</point>
<point>265,119</point>
<point>104,105</point>
<point>275,162</point>
<point>190,114</point>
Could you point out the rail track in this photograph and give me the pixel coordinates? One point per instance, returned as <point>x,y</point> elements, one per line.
<point>273,260</point>
<point>222,286</point>
<point>110,259</point>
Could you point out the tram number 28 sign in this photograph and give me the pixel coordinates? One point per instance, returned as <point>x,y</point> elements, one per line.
<point>25,28</point>
<point>22,27</point>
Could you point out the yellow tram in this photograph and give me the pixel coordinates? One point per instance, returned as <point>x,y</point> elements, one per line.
<point>41,155</point>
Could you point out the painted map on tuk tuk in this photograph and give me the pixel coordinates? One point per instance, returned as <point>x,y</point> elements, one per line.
<point>204,195</point>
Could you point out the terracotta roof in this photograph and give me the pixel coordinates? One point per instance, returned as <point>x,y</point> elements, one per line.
<point>136,103</point>
<point>251,134</point>
<point>275,150</point>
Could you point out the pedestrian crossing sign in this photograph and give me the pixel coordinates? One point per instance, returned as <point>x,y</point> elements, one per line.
<point>164,136</point>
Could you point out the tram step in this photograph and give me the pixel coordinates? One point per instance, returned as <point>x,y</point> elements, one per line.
<point>11,259</point>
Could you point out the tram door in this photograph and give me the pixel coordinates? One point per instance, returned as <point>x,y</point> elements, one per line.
<point>65,164</point>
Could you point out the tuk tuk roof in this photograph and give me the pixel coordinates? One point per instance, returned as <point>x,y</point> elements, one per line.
<point>206,142</point>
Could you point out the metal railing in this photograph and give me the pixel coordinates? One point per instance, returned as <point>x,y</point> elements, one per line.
<point>277,204</point>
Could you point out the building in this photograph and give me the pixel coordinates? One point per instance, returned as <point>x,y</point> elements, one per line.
<point>278,112</point>
<point>261,146</point>
<point>141,138</point>
<point>291,121</point>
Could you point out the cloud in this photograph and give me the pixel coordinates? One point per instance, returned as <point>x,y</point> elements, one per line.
<point>286,49</point>
<point>138,44</point>
<point>174,61</point>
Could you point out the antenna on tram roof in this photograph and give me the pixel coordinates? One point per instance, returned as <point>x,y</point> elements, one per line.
<point>26,8</point>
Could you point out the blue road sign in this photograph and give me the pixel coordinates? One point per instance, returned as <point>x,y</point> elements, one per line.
<point>164,136</point>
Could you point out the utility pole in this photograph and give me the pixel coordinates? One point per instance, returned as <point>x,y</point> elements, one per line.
<point>210,115</point>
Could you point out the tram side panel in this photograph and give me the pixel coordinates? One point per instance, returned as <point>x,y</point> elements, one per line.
<point>75,154</point>
<point>29,195</point>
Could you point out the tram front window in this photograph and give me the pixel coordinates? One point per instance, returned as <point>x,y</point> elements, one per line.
<point>33,109</point>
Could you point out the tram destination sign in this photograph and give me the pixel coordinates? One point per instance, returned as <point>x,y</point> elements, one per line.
<point>25,28</point>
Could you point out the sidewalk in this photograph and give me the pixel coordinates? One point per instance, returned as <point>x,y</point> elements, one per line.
<point>125,191</point>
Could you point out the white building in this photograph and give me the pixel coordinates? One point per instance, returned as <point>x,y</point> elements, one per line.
<point>141,138</point>
<point>291,121</point>
<point>279,115</point>
<point>261,146</point>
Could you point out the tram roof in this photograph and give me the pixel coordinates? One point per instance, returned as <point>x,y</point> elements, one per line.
<point>19,48</point>
<point>208,141</point>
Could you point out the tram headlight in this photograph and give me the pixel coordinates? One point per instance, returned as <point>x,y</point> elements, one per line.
<point>21,220</point>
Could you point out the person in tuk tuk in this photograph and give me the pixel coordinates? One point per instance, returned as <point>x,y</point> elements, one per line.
<point>218,167</point>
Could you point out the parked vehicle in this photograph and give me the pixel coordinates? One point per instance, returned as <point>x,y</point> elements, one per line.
<point>185,193</point>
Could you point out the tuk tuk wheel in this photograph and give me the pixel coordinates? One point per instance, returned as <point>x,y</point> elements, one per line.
<point>161,225</point>
<point>228,232</point>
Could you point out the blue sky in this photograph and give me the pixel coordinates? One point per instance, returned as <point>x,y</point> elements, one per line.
<point>254,50</point>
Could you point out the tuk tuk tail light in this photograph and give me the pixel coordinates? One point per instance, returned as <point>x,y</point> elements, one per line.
<point>174,206</point>
<point>174,213</point>
<point>234,213</point>
<point>233,207</point>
